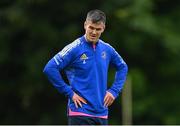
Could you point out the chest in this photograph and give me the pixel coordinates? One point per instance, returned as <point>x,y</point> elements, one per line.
<point>92,58</point>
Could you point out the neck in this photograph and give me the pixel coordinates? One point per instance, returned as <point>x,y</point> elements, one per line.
<point>88,40</point>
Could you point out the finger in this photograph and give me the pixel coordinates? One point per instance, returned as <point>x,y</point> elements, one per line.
<point>79,103</point>
<point>105,98</point>
<point>106,101</point>
<point>110,102</point>
<point>76,104</point>
<point>83,100</point>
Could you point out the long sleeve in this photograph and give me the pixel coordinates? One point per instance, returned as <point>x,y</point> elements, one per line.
<point>121,73</point>
<point>60,61</point>
<point>52,72</point>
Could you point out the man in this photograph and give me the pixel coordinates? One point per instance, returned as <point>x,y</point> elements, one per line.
<point>86,62</point>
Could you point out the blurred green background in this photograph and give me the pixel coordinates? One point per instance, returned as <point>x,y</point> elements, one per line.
<point>146,33</point>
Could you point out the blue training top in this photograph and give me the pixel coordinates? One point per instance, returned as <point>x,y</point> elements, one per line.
<point>87,69</point>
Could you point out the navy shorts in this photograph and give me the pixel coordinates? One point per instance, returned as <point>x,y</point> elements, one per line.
<point>85,120</point>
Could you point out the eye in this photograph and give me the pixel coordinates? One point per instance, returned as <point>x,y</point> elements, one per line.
<point>98,29</point>
<point>90,27</point>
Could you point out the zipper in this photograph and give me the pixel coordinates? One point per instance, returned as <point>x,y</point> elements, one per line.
<point>94,52</point>
<point>94,47</point>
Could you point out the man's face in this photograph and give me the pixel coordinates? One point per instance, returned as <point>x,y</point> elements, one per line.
<point>93,30</point>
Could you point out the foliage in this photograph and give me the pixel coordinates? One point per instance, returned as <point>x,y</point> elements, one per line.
<point>144,32</point>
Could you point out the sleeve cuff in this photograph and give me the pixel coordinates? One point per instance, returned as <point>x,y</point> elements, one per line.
<point>70,95</point>
<point>113,93</point>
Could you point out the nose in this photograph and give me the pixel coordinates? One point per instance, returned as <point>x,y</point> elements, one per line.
<point>94,31</point>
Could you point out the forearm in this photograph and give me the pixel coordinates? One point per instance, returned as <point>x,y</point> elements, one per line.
<point>119,80</point>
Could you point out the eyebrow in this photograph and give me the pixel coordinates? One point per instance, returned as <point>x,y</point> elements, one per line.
<point>95,28</point>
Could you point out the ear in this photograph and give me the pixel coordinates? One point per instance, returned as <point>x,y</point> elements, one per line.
<point>85,23</point>
<point>104,26</point>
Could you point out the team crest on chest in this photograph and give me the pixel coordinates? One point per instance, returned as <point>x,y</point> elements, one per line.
<point>84,58</point>
<point>103,55</point>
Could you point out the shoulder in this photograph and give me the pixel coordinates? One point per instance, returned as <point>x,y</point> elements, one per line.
<point>70,47</point>
<point>106,45</point>
<point>110,48</point>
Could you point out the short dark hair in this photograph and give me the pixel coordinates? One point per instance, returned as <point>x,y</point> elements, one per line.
<point>96,16</point>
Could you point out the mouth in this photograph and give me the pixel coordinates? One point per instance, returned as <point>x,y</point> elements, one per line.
<point>93,36</point>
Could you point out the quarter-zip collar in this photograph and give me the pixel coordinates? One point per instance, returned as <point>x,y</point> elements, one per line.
<point>90,43</point>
